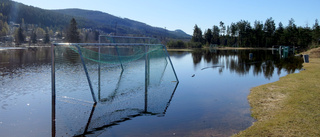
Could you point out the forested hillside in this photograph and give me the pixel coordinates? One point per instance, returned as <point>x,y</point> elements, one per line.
<point>122,26</point>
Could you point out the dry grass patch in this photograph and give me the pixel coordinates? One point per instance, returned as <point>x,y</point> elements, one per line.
<point>313,53</point>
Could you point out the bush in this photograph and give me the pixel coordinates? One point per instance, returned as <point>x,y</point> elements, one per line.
<point>176,44</point>
<point>194,45</point>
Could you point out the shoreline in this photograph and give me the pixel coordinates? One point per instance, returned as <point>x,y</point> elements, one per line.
<point>289,106</point>
<point>222,48</point>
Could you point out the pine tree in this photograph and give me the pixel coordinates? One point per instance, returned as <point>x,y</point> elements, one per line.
<point>19,37</point>
<point>34,37</point>
<point>197,35</point>
<point>208,36</point>
<point>316,33</point>
<point>46,38</point>
<point>72,33</point>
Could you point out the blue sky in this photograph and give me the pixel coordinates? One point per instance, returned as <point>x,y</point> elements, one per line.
<point>184,14</point>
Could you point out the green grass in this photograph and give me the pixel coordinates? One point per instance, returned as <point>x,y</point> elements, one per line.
<point>288,107</point>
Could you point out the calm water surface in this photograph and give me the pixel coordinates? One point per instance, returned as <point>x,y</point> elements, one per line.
<point>210,100</point>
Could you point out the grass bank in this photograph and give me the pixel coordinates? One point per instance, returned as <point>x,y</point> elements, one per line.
<point>290,106</point>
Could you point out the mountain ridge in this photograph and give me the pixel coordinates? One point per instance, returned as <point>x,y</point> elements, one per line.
<point>92,19</point>
<point>121,25</point>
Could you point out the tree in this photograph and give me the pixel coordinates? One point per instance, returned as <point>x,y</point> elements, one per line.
<point>208,36</point>
<point>304,37</point>
<point>222,28</point>
<point>19,36</point>
<point>269,29</point>
<point>279,35</point>
<point>316,33</point>
<point>197,34</point>
<point>46,38</point>
<point>96,35</point>
<point>258,33</point>
<point>4,28</point>
<point>72,33</point>
<point>228,31</point>
<point>234,29</point>
<point>215,33</point>
<point>244,29</point>
<point>40,33</point>
<point>34,37</point>
<point>291,33</point>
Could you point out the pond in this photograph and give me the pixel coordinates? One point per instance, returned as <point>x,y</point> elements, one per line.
<point>210,99</point>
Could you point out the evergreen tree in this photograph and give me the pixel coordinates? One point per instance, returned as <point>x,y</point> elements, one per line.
<point>208,36</point>
<point>73,35</point>
<point>34,37</point>
<point>215,35</point>
<point>222,28</point>
<point>291,33</point>
<point>244,29</point>
<point>258,33</point>
<point>46,38</point>
<point>316,33</point>
<point>19,36</point>
<point>234,29</point>
<point>269,29</point>
<point>279,35</point>
<point>197,34</point>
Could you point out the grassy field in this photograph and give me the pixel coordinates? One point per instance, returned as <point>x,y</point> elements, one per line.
<point>290,106</point>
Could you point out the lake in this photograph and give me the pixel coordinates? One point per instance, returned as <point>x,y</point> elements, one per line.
<point>209,100</point>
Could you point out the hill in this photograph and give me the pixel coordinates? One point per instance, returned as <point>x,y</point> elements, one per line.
<point>59,19</point>
<point>122,26</point>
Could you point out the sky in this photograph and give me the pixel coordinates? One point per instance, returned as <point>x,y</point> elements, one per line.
<point>185,14</point>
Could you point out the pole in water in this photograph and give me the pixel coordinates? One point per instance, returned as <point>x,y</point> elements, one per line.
<point>87,74</point>
<point>147,69</point>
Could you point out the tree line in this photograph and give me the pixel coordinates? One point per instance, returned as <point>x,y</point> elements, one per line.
<point>243,34</point>
<point>33,34</point>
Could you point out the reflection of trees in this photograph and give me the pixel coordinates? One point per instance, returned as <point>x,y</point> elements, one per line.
<point>196,56</point>
<point>268,69</point>
<point>238,61</point>
<point>290,64</point>
<point>256,68</point>
<point>12,59</point>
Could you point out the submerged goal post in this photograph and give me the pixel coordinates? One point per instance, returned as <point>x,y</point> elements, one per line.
<point>111,52</point>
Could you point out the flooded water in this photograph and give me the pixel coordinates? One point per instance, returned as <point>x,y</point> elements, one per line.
<point>210,99</point>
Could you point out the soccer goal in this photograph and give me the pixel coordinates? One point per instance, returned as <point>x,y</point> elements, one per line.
<point>121,76</point>
<point>113,64</point>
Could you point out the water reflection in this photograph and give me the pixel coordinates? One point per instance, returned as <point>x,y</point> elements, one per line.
<point>239,61</point>
<point>206,104</point>
<point>13,58</point>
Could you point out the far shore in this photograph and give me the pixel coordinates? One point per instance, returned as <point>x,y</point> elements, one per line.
<point>221,48</point>
<point>169,49</point>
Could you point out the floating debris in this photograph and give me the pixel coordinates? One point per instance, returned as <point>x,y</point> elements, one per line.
<point>211,67</point>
